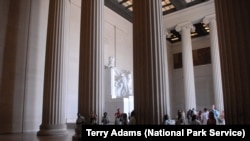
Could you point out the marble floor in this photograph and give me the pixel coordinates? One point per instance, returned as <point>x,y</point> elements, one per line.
<point>34,137</point>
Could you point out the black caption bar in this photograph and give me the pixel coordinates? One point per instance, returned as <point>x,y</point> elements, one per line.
<point>162,132</point>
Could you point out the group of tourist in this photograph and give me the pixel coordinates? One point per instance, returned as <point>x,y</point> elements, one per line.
<point>206,117</point>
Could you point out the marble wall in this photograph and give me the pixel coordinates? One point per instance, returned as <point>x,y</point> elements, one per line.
<point>117,43</point>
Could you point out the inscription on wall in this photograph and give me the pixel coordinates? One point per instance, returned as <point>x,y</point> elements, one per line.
<point>200,57</point>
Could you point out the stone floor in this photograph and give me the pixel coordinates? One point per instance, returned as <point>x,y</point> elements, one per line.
<point>34,137</point>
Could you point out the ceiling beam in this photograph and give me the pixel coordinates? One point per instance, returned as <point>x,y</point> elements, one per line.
<point>119,9</point>
<point>123,1</point>
<point>178,4</point>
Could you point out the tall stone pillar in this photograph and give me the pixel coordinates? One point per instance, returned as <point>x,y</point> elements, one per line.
<point>91,66</point>
<point>14,48</point>
<point>168,91</point>
<point>149,62</point>
<point>216,66</point>
<point>233,20</point>
<point>53,119</point>
<point>187,61</point>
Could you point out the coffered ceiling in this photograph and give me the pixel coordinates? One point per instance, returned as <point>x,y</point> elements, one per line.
<point>125,9</point>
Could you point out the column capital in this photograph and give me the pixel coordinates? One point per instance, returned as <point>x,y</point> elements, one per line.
<point>167,33</point>
<point>209,18</point>
<point>185,25</point>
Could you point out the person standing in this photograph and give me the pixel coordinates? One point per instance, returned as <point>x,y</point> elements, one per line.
<point>93,118</point>
<point>105,118</point>
<point>204,116</point>
<point>132,119</point>
<point>216,112</point>
<point>211,119</point>
<point>118,117</point>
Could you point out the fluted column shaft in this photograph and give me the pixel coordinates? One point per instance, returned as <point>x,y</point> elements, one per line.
<point>53,119</point>
<point>91,66</point>
<point>233,20</point>
<point>187,61</point>
<point>216,66</point>
<point>167,100</point>
<point>149,64</point>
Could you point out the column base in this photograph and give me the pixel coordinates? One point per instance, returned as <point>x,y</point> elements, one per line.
<point>76,138</point>
<point>53,130</point>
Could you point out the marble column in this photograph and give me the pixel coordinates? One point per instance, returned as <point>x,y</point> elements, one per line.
<point>149,62</point>
<point>233,34</point>
<point>187,62</point>
<point>91,66</point>
<point>216,66</point>
<point>166,52</point>
<point>53,118</point>
<point>15,31</point>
